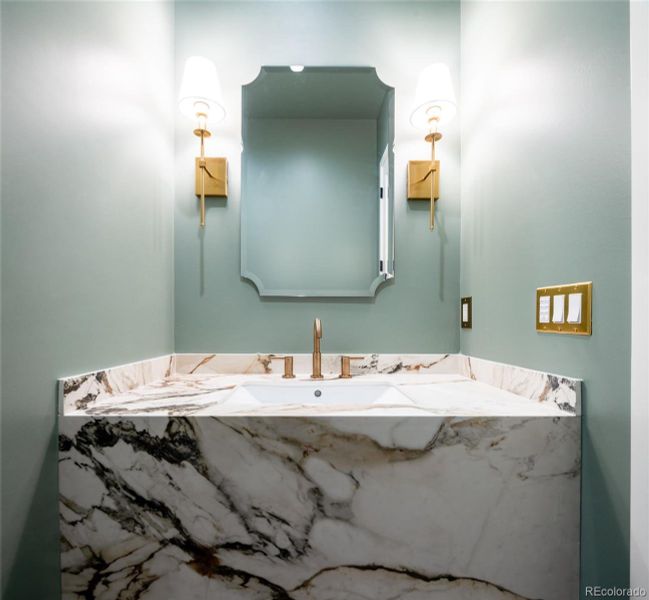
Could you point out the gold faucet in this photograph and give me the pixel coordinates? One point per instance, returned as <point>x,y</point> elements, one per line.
<point>288,366</point>
<point>345,366</point>
<point>317,357</point>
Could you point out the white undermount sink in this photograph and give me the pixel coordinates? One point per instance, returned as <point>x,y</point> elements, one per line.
<point>320,393</point>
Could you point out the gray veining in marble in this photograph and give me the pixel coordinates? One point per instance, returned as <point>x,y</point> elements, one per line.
<point>193,375</point>
<point>323,508</point>
<point>178,483</point>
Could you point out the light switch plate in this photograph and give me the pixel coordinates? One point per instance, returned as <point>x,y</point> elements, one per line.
<point>584,327</point>
<point>466,312</point>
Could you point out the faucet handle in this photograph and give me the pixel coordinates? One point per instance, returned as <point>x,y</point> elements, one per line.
<point>288,366</point>
<point>345,366</point>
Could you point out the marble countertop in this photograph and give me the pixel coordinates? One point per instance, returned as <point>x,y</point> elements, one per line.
<point>196,385</point>
<point>462,480</point>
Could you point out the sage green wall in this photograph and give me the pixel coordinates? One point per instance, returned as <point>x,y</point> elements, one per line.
<point>86,219</point>
<point>315,182</point>
<point>218,311</point>
<point>546,200</point>
<point>87,188</point>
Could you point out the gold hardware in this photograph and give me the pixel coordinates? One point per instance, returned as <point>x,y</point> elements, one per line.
<point>466,302</point>
<point>584,327</point>
<point>317,357</point>
<point>200,99</point>
<point>215,168</point>
<point>345,366</point>
<point>423,175</point>
<point>216,182</point>
<point>288,366</point>
<point>418,183</point>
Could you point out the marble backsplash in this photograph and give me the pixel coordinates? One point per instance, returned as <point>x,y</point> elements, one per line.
<point>78,391</point>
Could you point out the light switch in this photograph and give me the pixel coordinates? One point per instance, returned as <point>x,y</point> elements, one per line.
<point>574,308</point>
<point>565,309</point>
<point>544,309</point>
<point>466,317</point>
<point>558,302</point>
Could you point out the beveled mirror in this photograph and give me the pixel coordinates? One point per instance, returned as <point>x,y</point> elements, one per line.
<point>317,182</point>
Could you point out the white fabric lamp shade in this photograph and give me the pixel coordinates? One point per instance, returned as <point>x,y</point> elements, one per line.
<point>200,83</point>
<point>434,96</point>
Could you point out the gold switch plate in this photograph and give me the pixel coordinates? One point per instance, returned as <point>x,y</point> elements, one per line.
<point>585,326</point>
<point>419,183</point>
<point>466,301</point>
<point>217,185</point>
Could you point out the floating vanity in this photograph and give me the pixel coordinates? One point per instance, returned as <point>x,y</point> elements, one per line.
<point>198,476</point>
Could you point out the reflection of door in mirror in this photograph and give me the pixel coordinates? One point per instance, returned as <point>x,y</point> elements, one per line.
<point>386,262</point>
<point>316,206</point>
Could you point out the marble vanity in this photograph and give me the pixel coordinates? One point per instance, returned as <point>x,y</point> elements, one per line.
<point>200,476</point>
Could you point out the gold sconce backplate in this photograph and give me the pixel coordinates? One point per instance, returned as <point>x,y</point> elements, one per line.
<point>419,180</point>
<point>216,178</point>
<point>565,309</point>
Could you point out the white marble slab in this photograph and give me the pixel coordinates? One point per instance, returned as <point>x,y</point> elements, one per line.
<point>216,395</point>
<point>319,508</point>
<point>371,363</point>
<point>78,391</point>
<point>564,392</point>
<point>194,384</point>
<point>177,482</point>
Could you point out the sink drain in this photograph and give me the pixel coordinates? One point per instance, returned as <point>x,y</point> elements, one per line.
<point>317,393</point>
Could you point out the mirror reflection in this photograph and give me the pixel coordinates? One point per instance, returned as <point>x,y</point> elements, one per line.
<point>317,202</point>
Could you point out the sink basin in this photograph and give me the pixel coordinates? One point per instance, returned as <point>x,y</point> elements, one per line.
<point>320,393</point>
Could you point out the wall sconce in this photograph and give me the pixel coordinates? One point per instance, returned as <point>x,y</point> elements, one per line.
<point>434,104</point>
<point>200,99</point>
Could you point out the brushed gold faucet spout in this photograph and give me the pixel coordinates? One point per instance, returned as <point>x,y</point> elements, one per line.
<point>317,357</point>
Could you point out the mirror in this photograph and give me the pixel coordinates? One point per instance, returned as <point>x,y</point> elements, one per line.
<point>317,182</point>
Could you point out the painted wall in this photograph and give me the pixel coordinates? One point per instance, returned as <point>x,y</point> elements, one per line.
<point>87,188</point>
<point>546,200</point>
<point>551,90</point>
<point>639,530</point>
<point>218,311</point>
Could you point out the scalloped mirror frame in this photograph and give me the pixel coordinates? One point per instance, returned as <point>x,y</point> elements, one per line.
<point>382,276</point>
